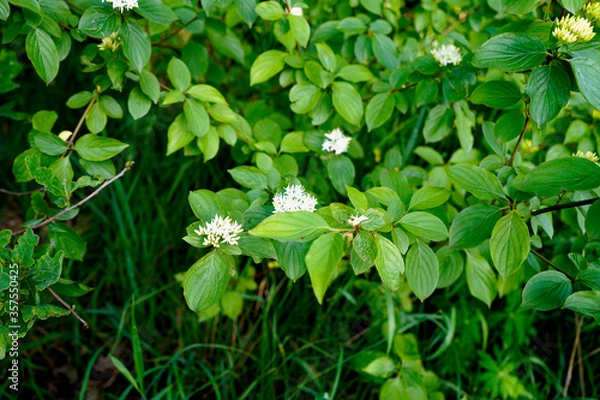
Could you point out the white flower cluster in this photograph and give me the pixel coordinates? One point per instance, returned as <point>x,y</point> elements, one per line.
<point>123,5</point>
<point>572,29</point>
<point>336,141</point>
<point>447,54</point>
<point>220,230</point>
<point>588,155</point>
<point>357,219</point>
<point>294,199</point>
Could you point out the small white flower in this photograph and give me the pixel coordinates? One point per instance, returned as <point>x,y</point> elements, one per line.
<point>357,219</point>
<point>220,230</point>
<point>447,54</point>
<point>294,199</point>
<point>123,5</point>
<point>336,141</point>
<point>297,11</point>
<point>588,155</point>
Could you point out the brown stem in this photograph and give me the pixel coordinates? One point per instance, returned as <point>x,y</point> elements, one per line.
<point>80,123</point>
<point>20,193</point>
<point>161,42</point>
<point>563,206</point>
<point>64,303</point>
<point>514,153</point>
<point>578,324</point>
<point>581,372</point>
<point>550,263</point>
<point>85,200</point>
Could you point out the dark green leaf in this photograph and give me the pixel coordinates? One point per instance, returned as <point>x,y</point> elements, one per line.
<point>482,183</point>
<point>510,52</point>
<point>585,302</point>
<point>136,44</point>
<point>424,225</point>
<point>473,225</point>
<point>42,52</point>
<point>422,270</point>
<point>548,87</point>
<point>546,291</point>
<point>379,110</point>
<point>341,172</point>
<point>155,11</point>
<point>481,278</point>
<point>509,244</point>
<point>592,222</point>
<point>496,94</point>
<point>321,261</point>
<point>206,281</point>
<point>64,238</point>
<point>291,258</point>
<point>588,79</point>
<point>389,262</point>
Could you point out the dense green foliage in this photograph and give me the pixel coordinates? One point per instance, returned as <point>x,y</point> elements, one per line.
<point>383,199</point>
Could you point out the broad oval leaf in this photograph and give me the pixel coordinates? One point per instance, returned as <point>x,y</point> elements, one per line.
<point>41,50</point>
<point>424,225</point>
<point>429,197</point>
<point>509,244</point>
<point>266,65</point>
<point>548,87</point>
<point>481,278</point>
<point>321,260</point>
<point>301,226</point>
<point>347,102</point>
<point>422,270</point>
<point>97,148</point>
<point>510,52</point>
<point>586,302</point>
<point>389,262</point>
<point>479,181</point>
<point>291,258</point>
<point>546,291</point>
<point>473,225</point>
<point>206,281</point>
<point>496,94</point>
<point>136,44</point>
<point>206,205</point>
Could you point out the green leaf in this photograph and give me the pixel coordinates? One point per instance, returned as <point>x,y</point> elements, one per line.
<point>42,52</point>
<point>136,44</point>
<point>49,143</point>
<point>179,74</point>
<point>62,169</point>
<point>451,266</point>
<point>552,177</point>
<point>365,247</point>
<point>179,134</point>
<point>149,84</point>
<point>155,11</point>
<point>510,52</point>
<point>43,312</point>
<point>270,10</point>
<point>80,99</point>
<point>250,177</point>
<point>384,50</point>
<point>496,94</point>
<point>96,119</point>
<point>428,197</point>
<point>46,270</point>
<point>22,253</point>
<point>481,279</point>
<point>293,142</point>
<point>548,87</point>
<point>291,258</point>
<point>65,239</point>
<point>424,225</point>
<point>473,225</point>
<point>592,222</point>
<point>585,302</point>
<point>379,110</point>
<point>43,121</point>
<point>206,281</point>
<point>99,22</point>
<point>509,126</point>
<point>588,79</point>
<point>381,367</point>
<point>304,97</point>
<point>301,226</point>
<point>347,102</point>
<point>438,123</point>
<point>207,93</point>
<point>356,73</point>
<point>65,287</point>
<point>110,107</point>
<point>33,5</point>
<point>590,277</point>
<point>206,205</point>
<point>97,148</point>
<point>479,181</point>
<point>103,169</point>
<point>422,270</point>
<point>341,172</point>
<point>209,144</point>
<point>572,5</point>
<point>426,92</point>
<point>546,291</point>
<point>300,29</point>
<point>326,56</point>
<point>138,103</point>
<point>509,244</point>
<point>197,117</point>
<point>388,261</point>
<point>266,65</point>
<point>321,261</point>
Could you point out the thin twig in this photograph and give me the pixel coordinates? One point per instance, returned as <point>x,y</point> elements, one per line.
<point>581,375</point>
<point>550,263</point>
<point>64,303</point>
<point>176,32</point>
<point>563,206</point>
<point>85,200</point>
<point>20,193</point>
<point>514,153</point>
<point>80,123</point>
<point>578,324</point>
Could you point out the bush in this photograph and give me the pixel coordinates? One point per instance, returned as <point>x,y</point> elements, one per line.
<point>431,165</point>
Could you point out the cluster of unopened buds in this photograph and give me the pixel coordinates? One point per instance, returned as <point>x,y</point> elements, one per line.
<point>571,29</point>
